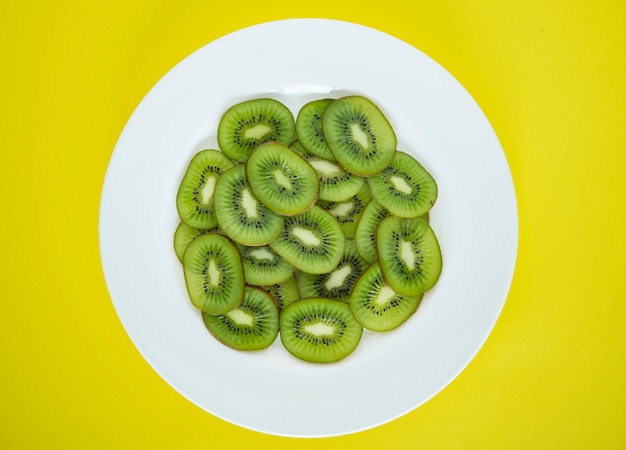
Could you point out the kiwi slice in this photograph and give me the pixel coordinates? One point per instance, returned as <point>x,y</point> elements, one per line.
<point>359,135</point>
<point>404,187</point>
<point>376,306</point>
<point>253,325</point>
<point>337,283</point>
<point>261,265</point>
<point>365,232</point>
<point>313,241</point>
<point>348,212</point>
<point>409,255</point>
<point>309,128</point>
<point>336,184</point>
<point>213,273</point>
<point>194,200</point>
<point>183,235</point>
<point>254,122</point>
<point>240,215</point>
<point>282,179</point>
<point>319,330</point>
<point>284,293</point>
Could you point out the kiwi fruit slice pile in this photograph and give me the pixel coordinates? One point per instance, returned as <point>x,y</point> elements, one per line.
<point>310,227</point>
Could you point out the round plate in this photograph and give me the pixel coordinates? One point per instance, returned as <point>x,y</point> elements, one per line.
<point>475,219</point>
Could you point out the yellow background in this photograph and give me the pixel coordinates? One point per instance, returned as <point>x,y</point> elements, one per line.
<point>550,76</point>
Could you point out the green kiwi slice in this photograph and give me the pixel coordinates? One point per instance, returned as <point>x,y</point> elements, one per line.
<point>312,241</point>
<point>404,187</point>
<point>359,135</point>
<point>349,211</point>
<point>309,128</point>
<point>240,215</point>
<point>261,265</point>
<point>213,274</point>
<point>336,184</point>
<point>337,283</point>
<point>319,330</point>
<point>365,232</point>
<point>183,235</point>
<point>246,125</point>
<point>282,179</point>
<point>409,255</point>
<point>376,306</point>
<point>194,200</point>
<point>284,293</point>
<point>253,325</point>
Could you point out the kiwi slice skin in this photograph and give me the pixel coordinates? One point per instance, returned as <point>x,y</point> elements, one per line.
<point>336,184</point>
<point>312,242</point>
<point>309,128</point>
<point>262,266</point>
<point>319,330</point>
<point>242,216</point>
<point>213,273</point>
<point>404,187</point>
<point>183,235</point>
<point>248,124</point>
<point>349,211</point>
<point>194,200</point>
<point>338,283</point>
<point>376,306</point>
<point>409,255</point>
<point>282,179</point>
<point>253,325</point>
<point>284,293</point>
<point>359,135</point>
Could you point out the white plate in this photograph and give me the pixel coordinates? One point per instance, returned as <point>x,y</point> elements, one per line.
<point>475,219</point>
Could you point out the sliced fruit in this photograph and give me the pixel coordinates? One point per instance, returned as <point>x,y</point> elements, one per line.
<point>309,128</point>
<point>338,283</point>
<point>349,211</point>
<point>253,325</point>
<point>376,306</point>
<point>319,330</point>
<point>409,255</point>
<point>366,227</point>
<point>282,179</point>
<point>254,122</point>
<point>359,135</point>
<point>242,216</point>
<point>284,293</point>
<point>194,200</point>
<point>183,235</point>
<point>404,187</point>
<point>213,274</point>
<point>335,183</point>
<point>313,241</point>
<point>262,265</point>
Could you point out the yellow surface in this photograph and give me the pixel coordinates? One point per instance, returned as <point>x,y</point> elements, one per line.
<point>550,75</point>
